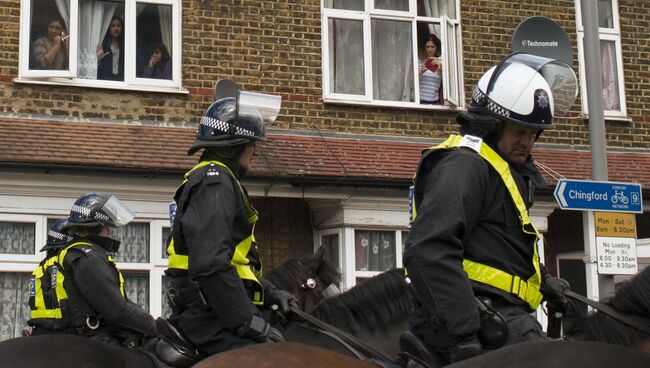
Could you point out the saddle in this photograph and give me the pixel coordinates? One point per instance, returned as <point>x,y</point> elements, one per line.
<point>415,354</point>
<point>174,349</point>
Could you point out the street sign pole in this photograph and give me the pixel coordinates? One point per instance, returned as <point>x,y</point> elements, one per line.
<point>596,132</point>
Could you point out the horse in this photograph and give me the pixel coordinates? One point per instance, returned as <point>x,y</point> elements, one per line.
<point>379,307</point>
<point>307,278</point>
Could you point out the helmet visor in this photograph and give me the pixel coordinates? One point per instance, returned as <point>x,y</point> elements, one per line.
<point>559,76</point>
<point>267,106</point>
<point>118,213</point>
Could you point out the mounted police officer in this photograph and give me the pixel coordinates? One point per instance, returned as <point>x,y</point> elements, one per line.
<point>216,287</point>
<point>78,289</point>
<point>471,253</point>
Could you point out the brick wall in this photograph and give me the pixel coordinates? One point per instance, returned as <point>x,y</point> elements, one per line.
<point>275,46</point>
<point>283,231</point>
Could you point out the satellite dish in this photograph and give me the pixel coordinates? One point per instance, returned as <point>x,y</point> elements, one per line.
<point>542,36</point>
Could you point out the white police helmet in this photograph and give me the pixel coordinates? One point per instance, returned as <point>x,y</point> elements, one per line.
<point>526,89</point>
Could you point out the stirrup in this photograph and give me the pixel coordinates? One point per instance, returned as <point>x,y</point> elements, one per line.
<point>173,348</point>
<point>413,348</point>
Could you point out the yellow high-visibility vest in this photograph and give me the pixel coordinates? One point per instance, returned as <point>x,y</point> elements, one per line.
<point>526,290</point>
<point>240,256</point>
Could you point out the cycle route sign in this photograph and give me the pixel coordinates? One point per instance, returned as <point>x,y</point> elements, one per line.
<point>585,195</point>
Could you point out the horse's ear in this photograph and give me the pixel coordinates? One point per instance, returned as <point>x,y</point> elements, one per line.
<point>314,260</point>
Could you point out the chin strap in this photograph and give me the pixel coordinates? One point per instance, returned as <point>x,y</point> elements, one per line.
<point>636,322</point>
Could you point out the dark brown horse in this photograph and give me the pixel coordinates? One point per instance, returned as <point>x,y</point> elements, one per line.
<point>306,278</point>
<point>360,310</point>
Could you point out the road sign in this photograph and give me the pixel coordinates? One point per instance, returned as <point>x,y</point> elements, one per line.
<point>584,195</point>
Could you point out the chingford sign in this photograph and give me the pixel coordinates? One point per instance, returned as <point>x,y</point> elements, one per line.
<point>584,195</point>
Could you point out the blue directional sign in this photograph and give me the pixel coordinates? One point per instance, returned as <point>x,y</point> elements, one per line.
<point>583,195</point>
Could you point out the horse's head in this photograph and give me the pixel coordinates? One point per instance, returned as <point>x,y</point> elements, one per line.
<point>310,279</point>
<point>632,299</point>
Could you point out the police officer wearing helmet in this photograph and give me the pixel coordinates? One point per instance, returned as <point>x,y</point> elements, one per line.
<point>216,287</point>
<point>471,254</point>
<point>78,289</point>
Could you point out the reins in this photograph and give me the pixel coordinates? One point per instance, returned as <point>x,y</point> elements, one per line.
<point>638,323</point>
<point>343,336</point>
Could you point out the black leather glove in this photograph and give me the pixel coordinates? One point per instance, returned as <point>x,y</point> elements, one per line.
<point>553,289</point>
<point>468,346</point>
<point>283,299</point>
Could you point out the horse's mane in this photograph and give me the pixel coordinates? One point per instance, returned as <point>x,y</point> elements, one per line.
<point>292,271</point>
<point>632,297</point>
<point>373,304</point>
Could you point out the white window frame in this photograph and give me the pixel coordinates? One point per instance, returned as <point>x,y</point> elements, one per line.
<point>347,257</point>
<point>605,34</point>
<point>40,236</point>
<point>131,82</point>
<point>456,100</point>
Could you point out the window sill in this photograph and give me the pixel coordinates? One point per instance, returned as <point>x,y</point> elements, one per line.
<point>617,119</point>
<point>102,85</point>
<point>397,105</point>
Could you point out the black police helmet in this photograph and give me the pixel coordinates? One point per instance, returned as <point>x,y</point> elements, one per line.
<point>56,236</point>
<point>95,209</point>
<point>226,124</point>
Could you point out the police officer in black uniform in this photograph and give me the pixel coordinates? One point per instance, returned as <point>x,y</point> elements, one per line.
<point>216,287</point>
<point>471,254</point>
<point>78,289</point>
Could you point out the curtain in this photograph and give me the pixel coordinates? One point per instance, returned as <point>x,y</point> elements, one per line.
<point>165,19</point>
<point>14,307</point>
<point>609,74</point>
<point>374,250</point>
<point>134,238</point>
<point>64,8</point>
<point>166,310</point>
<point>17,237</point>
<point>346,57</point>
<point>136,286</point>
<point>437,8</point>
<point>345,4</point>
<point>95,17</point>
<point>392,60</point>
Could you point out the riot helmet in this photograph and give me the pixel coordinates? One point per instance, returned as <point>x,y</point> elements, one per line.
<point>56,236</point>
<point>236,117</point>
<point>95,209</point>
<point>526,89</point>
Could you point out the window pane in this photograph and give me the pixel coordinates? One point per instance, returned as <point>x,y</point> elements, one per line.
<point>374,250</point>
<point>49,44</point>
<point>436,8</point>
<point>346,57</point>
<point>331,245</point>
<point>605,14</point>
<point>611,100</point>
<point>17,237</point>
<point>134,245</point>
<point>392,60</point>
<point>166,309</point>
<point>14,307</point>
<point>101,40</point>
<point>136,286</point>
<point>345,4</point>
<point>400,5</point>
<point>429,62</point>
<point>154,41</point>
<point>166,232</point>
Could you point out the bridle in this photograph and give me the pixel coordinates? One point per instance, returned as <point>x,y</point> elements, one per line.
<point>636,322</point>
<point>309,284</point>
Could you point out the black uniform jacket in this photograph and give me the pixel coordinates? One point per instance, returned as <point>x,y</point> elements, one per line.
<point>464,211</point>
<point>211,220</point>
<point>98,283</point>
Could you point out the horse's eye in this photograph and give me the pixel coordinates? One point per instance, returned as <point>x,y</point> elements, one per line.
<point>308,284</point>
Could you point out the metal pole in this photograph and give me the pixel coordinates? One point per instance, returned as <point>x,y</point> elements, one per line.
<point>596,122</point>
